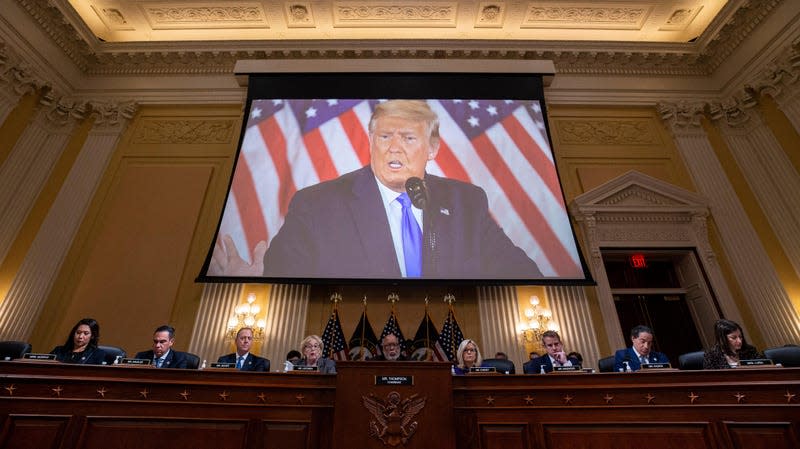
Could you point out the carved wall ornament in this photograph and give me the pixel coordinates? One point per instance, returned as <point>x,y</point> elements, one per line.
<point>393,419</point>
<point>618,132</point>
<point>299,15</point>
<point>637,196</point>
<point>736,112</point>
<point>680,18</point>
<point>180,131</point>
<point>113,18</point>
<point>371,13</point>
<point>682,115</point>
<point>539,16</point>
<point>490,15</point>
<point>206,17</point>
<point>112,115</point>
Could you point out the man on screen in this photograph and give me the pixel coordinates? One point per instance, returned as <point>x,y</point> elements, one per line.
<point>363,224</point>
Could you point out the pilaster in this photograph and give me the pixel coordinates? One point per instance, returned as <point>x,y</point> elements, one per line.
<point>570,308</point>
<point>499,316</point>
<point>216,304</point>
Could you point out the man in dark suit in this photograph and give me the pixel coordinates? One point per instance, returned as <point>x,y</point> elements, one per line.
<point>391,349</point>
<point>162,354</point>
<point>640,352</point>
<point>554,356</point>
<point>362,224</point>
<point>242,358</point>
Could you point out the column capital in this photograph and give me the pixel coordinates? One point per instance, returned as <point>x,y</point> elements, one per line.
<point>111,116</point>
<point>779,78</point>
<point>684,117</point>
<point>16,74</point>
<point>736,111</point>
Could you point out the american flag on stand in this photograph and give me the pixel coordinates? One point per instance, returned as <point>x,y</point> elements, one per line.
<point>363,343</point>
<point>333,338</point>
<point>426,345</point>
<point>451,335</point>
<point>392,327</point>
<point>499,145</point>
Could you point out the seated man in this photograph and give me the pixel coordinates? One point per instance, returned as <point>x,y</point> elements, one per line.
<point>555,355</point>
<point>162,355</point>
<point>501,356</point>
<point>640,352</point>
<point>242,358</point>
<point>391,348</point>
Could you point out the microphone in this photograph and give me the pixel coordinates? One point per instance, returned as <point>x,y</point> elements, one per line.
<point>417,192</point>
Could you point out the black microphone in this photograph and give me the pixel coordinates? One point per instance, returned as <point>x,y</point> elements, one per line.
<point>417,192</point>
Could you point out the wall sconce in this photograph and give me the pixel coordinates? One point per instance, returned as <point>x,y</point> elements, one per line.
<point>537,320</point>
<point>246,315</point>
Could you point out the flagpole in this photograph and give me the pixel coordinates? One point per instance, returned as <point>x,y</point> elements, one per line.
<point>335,298</point>
<point>428,356</point>
<point>363,314</point>
<point>450,299</point>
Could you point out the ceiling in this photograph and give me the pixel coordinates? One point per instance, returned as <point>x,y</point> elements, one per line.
<point>664,37</point>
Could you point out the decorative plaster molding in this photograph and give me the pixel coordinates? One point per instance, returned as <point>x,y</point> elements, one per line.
<point>637,196</point>
<point>605,132</point>
<point>15,74</point>
<point>299,15</point>
<point>162,16</point>
<point>540,15</point>
<point>781,74</point>
<point>372,13</point>
<point>110,116</point>
<point>184,131</point>
<point>53,23</point>
<point>490,15</point>
<point>682,116</point>
<point>736,112</point>
<point>680,19</point>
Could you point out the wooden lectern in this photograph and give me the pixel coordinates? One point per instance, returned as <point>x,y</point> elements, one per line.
<point>383,405</point>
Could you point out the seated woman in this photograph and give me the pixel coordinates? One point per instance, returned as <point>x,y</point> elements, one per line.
<point>81,345</point>
<point>730,347</point>
<point>467,356</point>
<point>312,349</point>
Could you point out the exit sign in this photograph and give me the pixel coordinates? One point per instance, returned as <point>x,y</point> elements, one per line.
<point>638,261</point>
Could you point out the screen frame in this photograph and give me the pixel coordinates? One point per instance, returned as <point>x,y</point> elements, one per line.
<point>512,85</point>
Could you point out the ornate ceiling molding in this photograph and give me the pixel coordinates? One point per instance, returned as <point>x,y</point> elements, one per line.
<point>217,57</point>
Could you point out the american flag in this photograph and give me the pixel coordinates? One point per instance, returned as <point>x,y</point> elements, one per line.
<point>363,343</point>
<point>451,335</point>
<point>333,338</point>
<point>499,145</point>
<point>426,344</point>
<point>393,327</point>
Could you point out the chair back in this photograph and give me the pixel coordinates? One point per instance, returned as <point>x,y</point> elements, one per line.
<point>112,352</point>
<point>10,350</point>
<point>691,360</point>
<point>606,364</point>
<point>788,356</point>
<point>502,366</point>
<point>193,361</point>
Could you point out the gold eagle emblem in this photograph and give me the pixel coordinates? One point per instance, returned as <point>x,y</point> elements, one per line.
<point>393,421</point>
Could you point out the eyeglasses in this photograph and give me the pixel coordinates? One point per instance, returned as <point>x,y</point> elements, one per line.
<point>470,350</point>
<point>391,345</point>
<point>312,345</point>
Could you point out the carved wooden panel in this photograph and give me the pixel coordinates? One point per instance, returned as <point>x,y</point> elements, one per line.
<point>629,436</point>
<point>163,431</point>
<point>33,431</point>
<point>767,435</point>
<point>285,435</point>
<point>504,436</point>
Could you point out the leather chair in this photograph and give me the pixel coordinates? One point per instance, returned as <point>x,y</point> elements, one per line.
<point>193,361</point>
<point>10,349</point>
<point>112,352</point>
<point>606,364</point>
<point>788,356</point>
<point>502,366</point>
<point>691,360</point>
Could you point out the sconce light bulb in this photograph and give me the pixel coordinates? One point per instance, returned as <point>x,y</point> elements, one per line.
<point>262,324</point>
<point>254,309</point>
<point>251,298</point>
<point>249,321</point>
<point>232,322</point>
<point>535,300</point>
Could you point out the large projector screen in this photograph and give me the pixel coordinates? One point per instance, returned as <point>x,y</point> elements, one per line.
<point>323,158</point>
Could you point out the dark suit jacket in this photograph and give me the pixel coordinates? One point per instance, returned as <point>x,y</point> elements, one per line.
<point>251,363</point>
<point>175,359</point>
<point>90,356</point>
<point>633,360</point>
<point>339,229</point>
<point>534,366</point>
<point>382,358</point>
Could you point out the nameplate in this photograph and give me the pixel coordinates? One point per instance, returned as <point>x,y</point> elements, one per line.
<point>756,362</point>
<point>135,362</point>
<point>305,369</point>
<point>656,365</point>
<point>36,356</point>
<point>567,369</point>
<point>483,369</point>
<point>394,380</point>
<point>228,365</point>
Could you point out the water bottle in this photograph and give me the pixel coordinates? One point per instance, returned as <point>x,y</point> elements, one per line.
<point>203,366</point>
<point>287,366</point>
<point>117,359</point>
<point>627,366</point>
<point>541,370</point>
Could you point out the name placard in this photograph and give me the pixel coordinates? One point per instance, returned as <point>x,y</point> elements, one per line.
<point>222,365</point>
<point>37,356</point>
<point>135,362</point>
<point>568,369</point>
<point>656,365</point>
<point>394,380</point>
<point>756,362</point>
<point>304,369</point>
<point>483,369</point>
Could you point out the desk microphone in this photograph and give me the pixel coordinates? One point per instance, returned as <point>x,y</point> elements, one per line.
<point>417,192</point>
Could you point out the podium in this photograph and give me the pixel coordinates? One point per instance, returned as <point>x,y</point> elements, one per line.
<point>383,405</point>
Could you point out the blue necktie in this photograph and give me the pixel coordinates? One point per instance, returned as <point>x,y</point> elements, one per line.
<point>412,239</point>
<point>240,362</point>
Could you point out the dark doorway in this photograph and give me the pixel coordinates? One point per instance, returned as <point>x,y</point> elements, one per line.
<point>667,315</point>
